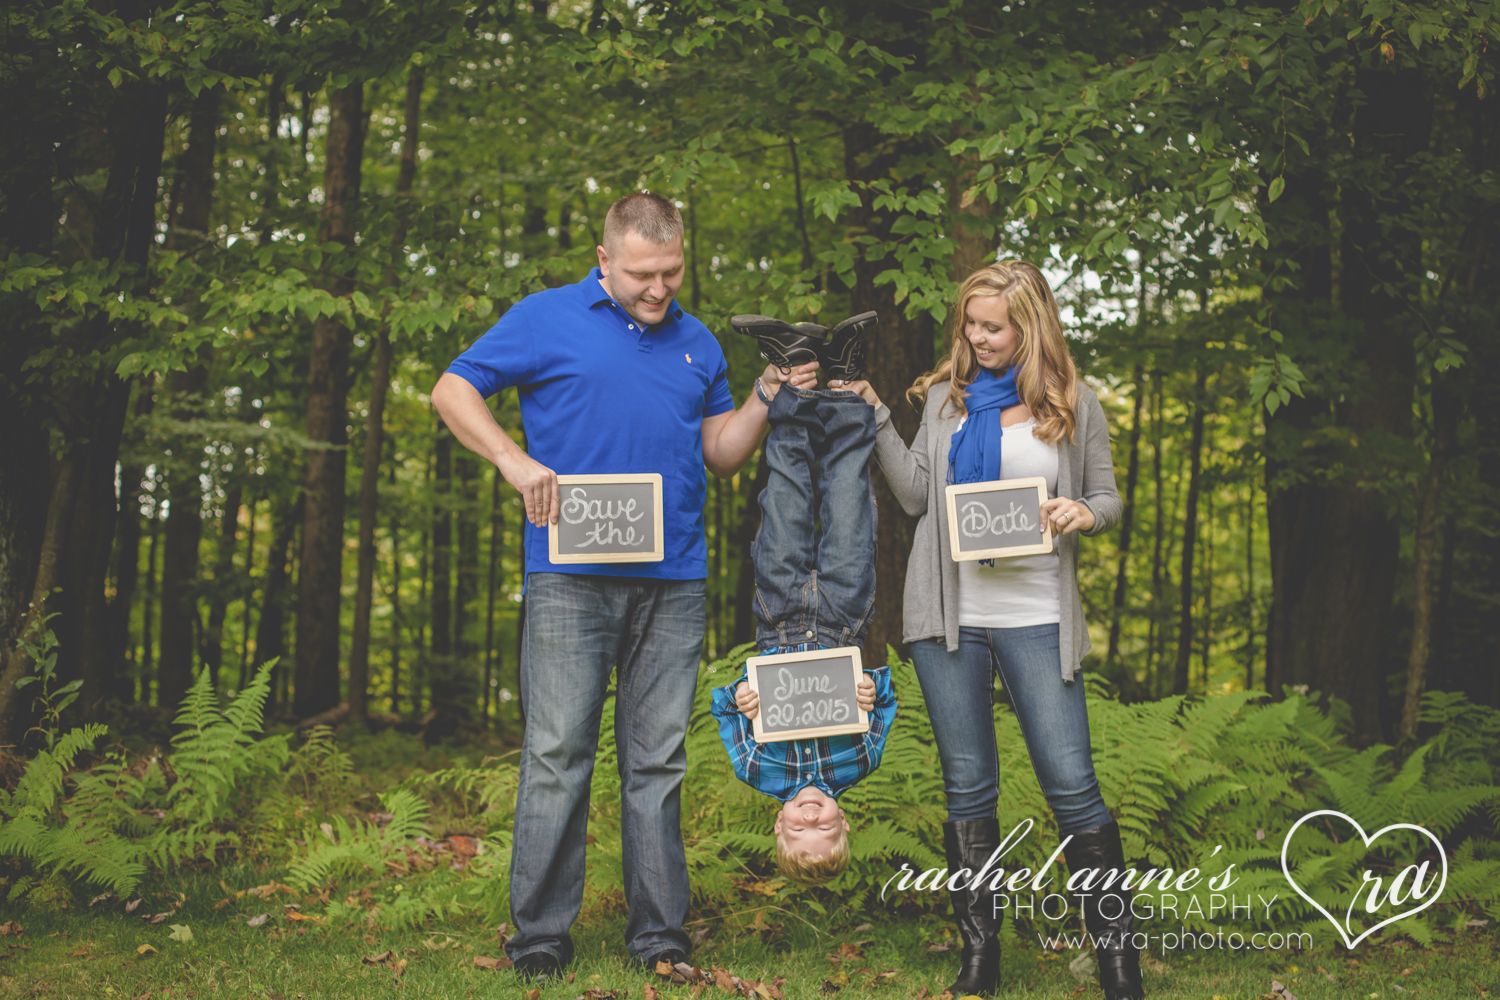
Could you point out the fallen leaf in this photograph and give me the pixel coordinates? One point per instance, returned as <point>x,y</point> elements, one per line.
<point>294,915</point>
<point>828,987</point>
<point>938,946</point>
<point>181,932</point>
<point>723,980</point>
<point>570,977</point>
<point>145,949</point>
<point>384,956</point>
<point>1281,991</point>
<point>133,905</point>
<point>81,952</point>
<point>258,919</point>
<point>648,992</point>
<point>1082,988</point>
<point>881,977</point>
<point>11,927</point>
<point>1477,923</point>
<point>533,995</point>
<point>399,968</point>
<point>159,918</point>
<point>922,993</point>
<point>493,964</point>
<point>101,898</point>
<point>864,927</point>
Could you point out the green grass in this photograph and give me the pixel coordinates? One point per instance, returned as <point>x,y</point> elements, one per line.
<point>82,953</point>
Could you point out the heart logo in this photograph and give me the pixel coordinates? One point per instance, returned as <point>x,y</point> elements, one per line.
<point>1415,890</point>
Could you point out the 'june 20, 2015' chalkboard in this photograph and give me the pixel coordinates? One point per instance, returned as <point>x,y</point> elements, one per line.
<point>803,695</point>
<point>607,519</point>
<point>998,519</point>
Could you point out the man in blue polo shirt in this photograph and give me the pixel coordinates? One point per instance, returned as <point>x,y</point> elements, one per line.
<point>613,377</point>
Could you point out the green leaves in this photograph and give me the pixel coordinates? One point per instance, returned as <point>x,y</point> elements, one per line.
<point>830,197</point>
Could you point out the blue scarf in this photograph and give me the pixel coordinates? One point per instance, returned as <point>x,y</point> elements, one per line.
<point>974,453</point>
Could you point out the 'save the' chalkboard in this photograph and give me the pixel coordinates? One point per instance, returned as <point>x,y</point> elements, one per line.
<point>803,695</point>
<point>998,519</point>
<point>607,519</point>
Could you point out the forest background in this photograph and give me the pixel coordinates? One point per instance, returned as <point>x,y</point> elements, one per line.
<point>241,240</point>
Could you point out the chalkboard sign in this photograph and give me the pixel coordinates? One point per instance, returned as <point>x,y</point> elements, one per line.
<point>998,519</point>
<point>607,519</point>
<point>809,694</point>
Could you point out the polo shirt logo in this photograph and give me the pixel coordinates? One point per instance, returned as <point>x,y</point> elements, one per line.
<point>689,357</point>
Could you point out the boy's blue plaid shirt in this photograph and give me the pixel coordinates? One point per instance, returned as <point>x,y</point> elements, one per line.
<point>833,763</point>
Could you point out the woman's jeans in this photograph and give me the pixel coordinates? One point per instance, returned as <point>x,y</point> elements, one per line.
<point>811,586</point>
<point>1053,716</point>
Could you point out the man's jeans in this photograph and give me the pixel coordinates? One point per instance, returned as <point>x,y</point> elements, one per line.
<point>812,587</point>
<point>1053,716</point>
<point>577,629</point>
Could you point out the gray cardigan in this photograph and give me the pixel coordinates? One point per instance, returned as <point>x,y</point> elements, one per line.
<point>917,476</point>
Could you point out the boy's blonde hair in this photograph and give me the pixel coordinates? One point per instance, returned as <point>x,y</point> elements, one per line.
<point>806,868</point>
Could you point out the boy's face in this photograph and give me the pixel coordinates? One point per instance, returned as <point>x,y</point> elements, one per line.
<point>810,822</point>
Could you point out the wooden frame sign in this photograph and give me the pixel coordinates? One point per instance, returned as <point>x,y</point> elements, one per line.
<point>998,519</point>
<point>805,695</point>
<point>607,519</point>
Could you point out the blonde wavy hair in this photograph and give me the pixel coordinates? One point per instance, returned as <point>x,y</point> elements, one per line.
<point>1046,380</point>
<point>808,869</point>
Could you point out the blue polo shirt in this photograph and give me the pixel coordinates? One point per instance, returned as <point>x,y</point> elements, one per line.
<point>600,395</point>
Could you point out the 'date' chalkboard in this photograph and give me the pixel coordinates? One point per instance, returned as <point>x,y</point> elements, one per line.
<point>607,519</point>
<point>998,519</point>
<point>803,695</point>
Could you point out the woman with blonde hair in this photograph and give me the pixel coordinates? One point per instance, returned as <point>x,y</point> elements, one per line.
<point>1006,403</point>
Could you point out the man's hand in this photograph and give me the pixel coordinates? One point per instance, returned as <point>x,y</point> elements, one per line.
<point>864,694</point>
<point>536,483</point>
<point>748,702</point>
<point>801,377</point>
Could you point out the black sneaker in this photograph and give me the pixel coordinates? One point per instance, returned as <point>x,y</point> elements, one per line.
<point>537,966</point>
<point>784,345</point>
<point>842,356</point>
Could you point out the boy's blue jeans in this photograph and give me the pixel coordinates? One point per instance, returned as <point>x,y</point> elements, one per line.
<point>811,585</point>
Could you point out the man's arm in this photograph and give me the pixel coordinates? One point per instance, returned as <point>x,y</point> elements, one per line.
<point>730,438</point>
<point>463,410</point>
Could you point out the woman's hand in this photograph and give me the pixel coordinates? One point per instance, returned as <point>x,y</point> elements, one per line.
<point>865,390</point>
<point>1067,515</point>
<point>802,377</point>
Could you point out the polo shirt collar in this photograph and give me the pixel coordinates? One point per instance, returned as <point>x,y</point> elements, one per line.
<point>593,293</point>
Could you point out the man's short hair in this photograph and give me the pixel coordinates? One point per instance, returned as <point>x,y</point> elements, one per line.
<point>807,869</point>
<point>649,216</point>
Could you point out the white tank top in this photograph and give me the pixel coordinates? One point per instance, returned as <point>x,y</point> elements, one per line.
<point>1022,590</point>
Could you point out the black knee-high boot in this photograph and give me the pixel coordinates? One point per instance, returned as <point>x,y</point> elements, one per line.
<point>969,844</point>
<point>1119,962</point>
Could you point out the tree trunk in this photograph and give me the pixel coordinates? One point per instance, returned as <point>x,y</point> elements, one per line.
<point>749,526</point>
<point>1337,544</point>
<point>127,557</point>
<point>212,652</point>
<point>1127,520</point>
<point>147,661</point>
<point>59,514</point>
<point>320,572</point>
<point>497,542</point>
<point>1156,627</point>
<point>380,380</point>
<point>270,630</point>
<point>440,608</point>
<point>183,532</point>
<point>901,352</point>
<point>1189,538</point>
<point>1429,508</point>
